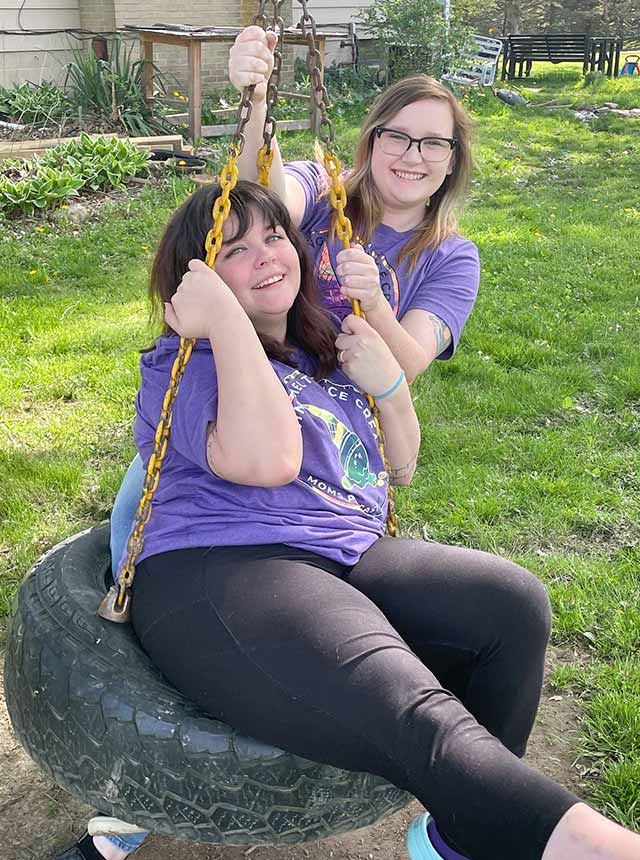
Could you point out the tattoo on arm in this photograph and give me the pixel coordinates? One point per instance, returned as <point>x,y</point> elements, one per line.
<point>403,471</point>
<point>211,433</point>
<point>441,333</point>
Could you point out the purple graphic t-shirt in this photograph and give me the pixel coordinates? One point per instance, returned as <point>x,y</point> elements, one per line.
<point>444,281</point>
<point>337,505</point>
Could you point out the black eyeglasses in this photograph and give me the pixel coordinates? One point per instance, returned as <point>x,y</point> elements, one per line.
<point>394,142</point>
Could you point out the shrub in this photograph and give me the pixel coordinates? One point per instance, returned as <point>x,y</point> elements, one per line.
<point>419,37</point>
<point>34,105</point>
<point>100,163</point>
<point>43,189</point>
<point>113,90</point>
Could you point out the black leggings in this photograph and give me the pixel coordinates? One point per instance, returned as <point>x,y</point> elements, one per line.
<point>423,663</point>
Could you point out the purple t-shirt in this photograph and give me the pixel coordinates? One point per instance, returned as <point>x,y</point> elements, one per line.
<point>337,505</point>
<point>444,281</point>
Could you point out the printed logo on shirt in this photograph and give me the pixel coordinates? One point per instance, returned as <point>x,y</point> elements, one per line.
<point>352,458</point>
<point>328,280</point>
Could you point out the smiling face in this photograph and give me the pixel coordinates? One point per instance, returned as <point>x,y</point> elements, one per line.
<point>262,269</point>
<point>406,182</point>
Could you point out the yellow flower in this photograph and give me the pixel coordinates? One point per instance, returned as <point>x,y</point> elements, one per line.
<point>144,247</point>
<point>33,272</point>
<point>182,162</point>
<point>40,229</point>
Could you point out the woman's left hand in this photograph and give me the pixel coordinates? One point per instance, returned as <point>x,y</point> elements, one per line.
<point>359,277</point>
<point>365,357</point>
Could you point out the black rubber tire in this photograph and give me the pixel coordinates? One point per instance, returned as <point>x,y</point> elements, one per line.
<point>94,713</point>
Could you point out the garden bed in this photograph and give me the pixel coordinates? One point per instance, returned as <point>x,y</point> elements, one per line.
<point>36,146</point>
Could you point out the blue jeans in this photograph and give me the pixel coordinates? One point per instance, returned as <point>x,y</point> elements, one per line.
<point>129,842</point>
<point>124,510</point>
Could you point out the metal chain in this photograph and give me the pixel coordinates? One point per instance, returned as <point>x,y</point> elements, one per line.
<point>116,605</point>
<point>338,197</point>
<point>265,156</point>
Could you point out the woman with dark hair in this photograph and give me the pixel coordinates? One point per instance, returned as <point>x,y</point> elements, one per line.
<point>416,661</point>
<point>415,276</point>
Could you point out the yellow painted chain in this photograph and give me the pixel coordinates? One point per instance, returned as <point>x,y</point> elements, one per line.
<point>116,605</point>
<point>344,231</point>
<point>265,160</point>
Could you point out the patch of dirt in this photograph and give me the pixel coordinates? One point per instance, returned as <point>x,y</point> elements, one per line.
<point>37,818</point>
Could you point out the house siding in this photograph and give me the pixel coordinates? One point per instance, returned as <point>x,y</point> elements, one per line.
<point>36,57</point>
<point>328,13</point>
<point>43,57</point>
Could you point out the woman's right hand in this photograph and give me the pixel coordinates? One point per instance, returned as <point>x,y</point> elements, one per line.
<point>365,357</point>
<point>201,304</point>
<point>251,59</point>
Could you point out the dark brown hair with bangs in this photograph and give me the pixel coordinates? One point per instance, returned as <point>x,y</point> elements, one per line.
<point>309,325</point>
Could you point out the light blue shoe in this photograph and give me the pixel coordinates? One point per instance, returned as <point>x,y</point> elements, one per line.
<point>419,846</point>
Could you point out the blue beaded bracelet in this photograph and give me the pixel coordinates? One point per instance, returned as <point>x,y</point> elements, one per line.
<point>393,388</point>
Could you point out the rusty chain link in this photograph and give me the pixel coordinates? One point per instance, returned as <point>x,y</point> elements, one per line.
<point>265,156</point>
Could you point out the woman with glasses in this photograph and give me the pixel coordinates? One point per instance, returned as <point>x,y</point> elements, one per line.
<point>414,274</point>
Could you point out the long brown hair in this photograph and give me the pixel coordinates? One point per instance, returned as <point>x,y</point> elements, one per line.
<point>365,207</point>
<point>309,325</point>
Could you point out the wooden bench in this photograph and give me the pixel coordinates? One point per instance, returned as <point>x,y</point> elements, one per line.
<point>521,51</point>
<point>596,53</point>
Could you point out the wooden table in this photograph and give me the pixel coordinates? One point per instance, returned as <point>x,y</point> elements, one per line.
<point>192,38</point>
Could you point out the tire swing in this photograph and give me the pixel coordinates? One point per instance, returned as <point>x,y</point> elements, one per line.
<point>95,714</point>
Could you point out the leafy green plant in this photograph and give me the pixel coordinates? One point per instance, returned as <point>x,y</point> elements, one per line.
<point>33,104</point>
<point>85,164</point>
<point>418,37</point>
<point>46,188</point>
<point>113,90</point>
<point>100,163</point>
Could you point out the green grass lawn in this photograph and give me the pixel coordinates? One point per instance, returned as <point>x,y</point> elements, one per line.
<point>530,435</point>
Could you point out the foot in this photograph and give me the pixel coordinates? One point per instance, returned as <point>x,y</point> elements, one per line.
<point>92,848</point>
<point>425,843</point>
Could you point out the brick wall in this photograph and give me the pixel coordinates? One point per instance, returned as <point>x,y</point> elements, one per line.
<point>97,15</point>
<point>173,61</point>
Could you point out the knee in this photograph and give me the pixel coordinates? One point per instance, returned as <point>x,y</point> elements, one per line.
<point>524,601</point>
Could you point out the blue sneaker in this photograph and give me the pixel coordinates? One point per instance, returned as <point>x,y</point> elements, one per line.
<point>420,844</point>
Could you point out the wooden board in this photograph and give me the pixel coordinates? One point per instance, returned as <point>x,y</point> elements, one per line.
<point>283,125</point>
<point>29,148</point>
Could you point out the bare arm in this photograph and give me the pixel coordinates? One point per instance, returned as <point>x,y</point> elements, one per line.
<point>368,361</point>
<point>415,341</point>
<point>401,430</point>
<point>256,438</point>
